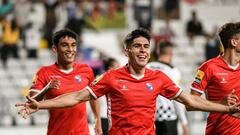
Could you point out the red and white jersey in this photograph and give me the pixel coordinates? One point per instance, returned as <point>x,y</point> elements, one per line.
<point>217,79</point>
<point>67,121</point>
<point>132,100</point>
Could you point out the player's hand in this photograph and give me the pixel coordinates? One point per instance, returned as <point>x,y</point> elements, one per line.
<point>234,109</point>
<point>98,127</point>
<point>54,84</point>
<point>231,98</point>
<point>27,108</point>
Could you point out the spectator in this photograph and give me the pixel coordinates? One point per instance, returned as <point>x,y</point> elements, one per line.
<point>212,46</point>
<point>11,36</point>
<point>143,13</point>
<point>171,9</point>
<point>194,27</point>
<point>32,41</point>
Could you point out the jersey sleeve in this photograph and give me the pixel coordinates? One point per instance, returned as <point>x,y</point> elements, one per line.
<point>39,81</point>
<point>202,78</point>
<point>169,89</point>
<point>90,75</point>
<point>100,86</point>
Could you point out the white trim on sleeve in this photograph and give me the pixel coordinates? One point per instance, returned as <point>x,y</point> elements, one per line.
<point>195,89</point>
<point>35,90</point>
<point>91,92</point>
<point>178,93</point>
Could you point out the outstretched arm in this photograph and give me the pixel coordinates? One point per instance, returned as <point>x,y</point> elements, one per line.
<point>197,103</point>
<point>63,101</point>
<point>66,100</point>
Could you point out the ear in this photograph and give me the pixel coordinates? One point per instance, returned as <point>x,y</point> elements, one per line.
<point>233,42</point>
<point>54,48</point>
<point>126,51</point>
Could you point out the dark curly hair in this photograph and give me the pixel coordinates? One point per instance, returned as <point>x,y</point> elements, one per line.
<point>140,32</point>
<point>63,33</point>
<point>228,31</point>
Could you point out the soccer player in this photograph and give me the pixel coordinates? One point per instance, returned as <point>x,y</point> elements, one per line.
<point>66,76</point>
<point>219,77</point>
<point>168,112</point>
<point>132,91</point>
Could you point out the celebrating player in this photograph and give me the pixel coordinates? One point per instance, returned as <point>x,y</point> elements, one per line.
<point>218,78</point>
<point>65,76</point>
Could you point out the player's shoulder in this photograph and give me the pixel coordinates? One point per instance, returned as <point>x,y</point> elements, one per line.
<point>81,66</point>
<point>46,68</point>
<point>211,63</point>
<point>154,72</point>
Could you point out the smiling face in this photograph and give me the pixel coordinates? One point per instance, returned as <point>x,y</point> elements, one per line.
<point>66,50</point>
<point>138,53</point>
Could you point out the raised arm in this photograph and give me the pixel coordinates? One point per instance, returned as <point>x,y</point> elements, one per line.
<point>62,101</point>
<point>197,103</point>
<point>66,100</point>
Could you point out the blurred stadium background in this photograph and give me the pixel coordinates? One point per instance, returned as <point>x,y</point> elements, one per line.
<point>102,25</point>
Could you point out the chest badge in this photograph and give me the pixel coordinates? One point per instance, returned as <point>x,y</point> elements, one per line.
<point>149,86</point>
<point>78,78</point>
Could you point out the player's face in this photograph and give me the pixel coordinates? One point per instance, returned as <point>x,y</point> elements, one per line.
<point>138,52</point>
<point>66,50</point>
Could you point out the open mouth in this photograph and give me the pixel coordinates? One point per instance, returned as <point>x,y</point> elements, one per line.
<point>69,55</point>
<point>142,57</point>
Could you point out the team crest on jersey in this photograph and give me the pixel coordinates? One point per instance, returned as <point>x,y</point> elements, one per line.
<point>149,86</point>
<point>97,80</point>
<point>78,78</point>
<point>199,76</point>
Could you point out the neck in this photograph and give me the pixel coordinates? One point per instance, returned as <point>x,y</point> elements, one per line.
<point>137,71</point>
<point>65,66</point>
<point>231,57</point>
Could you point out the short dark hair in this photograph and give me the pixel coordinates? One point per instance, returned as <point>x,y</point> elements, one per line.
<point>163,44</point>
<point>228,31</point>
<point>63,33</point>
<point>109,63</point>
<point>140,32</point>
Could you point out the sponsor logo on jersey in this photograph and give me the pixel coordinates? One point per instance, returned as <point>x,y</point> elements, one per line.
<point>222,73</point>
<point>78,78</point>
<point>199,76</point>
<point>149,86</point>
<point>97,80</point>
<point>223,77</point>
<point>122,84</point>
<point>54,76</point>
<point>223,80</point>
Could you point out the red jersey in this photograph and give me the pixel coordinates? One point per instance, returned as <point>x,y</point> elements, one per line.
<point>217,79</point>
<point>67,121</point>
<point>132,101</point>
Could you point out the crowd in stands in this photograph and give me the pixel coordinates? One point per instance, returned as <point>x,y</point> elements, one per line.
<point>32,22</point>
